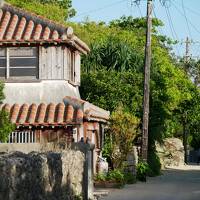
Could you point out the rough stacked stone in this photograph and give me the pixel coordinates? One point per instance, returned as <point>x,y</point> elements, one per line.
<point>41,176</point>
<point>171,152</point>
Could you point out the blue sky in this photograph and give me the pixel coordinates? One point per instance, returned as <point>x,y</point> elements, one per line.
<point>181,17</point>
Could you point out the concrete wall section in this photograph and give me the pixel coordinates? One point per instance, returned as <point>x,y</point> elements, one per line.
<point>37,92</point>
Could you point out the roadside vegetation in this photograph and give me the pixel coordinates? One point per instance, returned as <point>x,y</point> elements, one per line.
<point>5,126</point>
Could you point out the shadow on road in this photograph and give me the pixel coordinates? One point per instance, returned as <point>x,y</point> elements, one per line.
<point>174,184</point>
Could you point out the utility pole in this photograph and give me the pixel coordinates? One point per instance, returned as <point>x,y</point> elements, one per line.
<point>184,118</point>
<point>185,137</point>
<point>147,65</point>
<point>187,43</point>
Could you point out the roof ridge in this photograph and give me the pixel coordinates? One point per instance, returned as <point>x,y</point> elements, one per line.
<point>57,25</point>
<point>19,25</point>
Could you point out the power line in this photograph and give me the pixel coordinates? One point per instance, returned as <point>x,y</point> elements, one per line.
<point>172,29</point>
<point>140,11</point>
<point>193,26</point>
<point>154,13</point>
<point>165,3</point>
<point>101,8</point>
<point>171,26</point>
<point>191,10</point>
<point>171,23</point>
<point>135,3</point>
<point>186,19</point>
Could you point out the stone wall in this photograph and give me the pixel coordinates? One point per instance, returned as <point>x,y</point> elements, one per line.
<point>30,147</point>
<point>170,152</point>
<point>132,161</point>
<point>42,176</point>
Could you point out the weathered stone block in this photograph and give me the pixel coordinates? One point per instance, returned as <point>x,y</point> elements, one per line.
<point>170,152</point>
<point>41,176</point>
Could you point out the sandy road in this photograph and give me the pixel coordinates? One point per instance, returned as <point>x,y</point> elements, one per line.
<point>175,184</point>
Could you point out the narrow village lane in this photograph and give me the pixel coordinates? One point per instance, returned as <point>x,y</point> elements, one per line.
<point>174,184</point>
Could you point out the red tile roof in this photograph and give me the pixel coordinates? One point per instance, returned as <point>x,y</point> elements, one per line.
<point>43,114</point>
<point>19,26</point>
<point>91,112</point>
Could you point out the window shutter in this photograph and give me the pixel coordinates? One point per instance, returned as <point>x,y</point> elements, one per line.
<point>23,62</point>
<point>3,62</point>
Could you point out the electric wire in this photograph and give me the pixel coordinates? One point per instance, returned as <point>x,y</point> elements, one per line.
<point>170,25</point>
<point>186,19</point>
<point>140,11</point>
<point>154,13</point>
<point>171,22</point>
<point>191,10</point>
<point>192,25</point>
<point>99,9</point>
<point>172,29</point>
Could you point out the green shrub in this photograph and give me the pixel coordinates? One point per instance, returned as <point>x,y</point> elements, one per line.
<point>100,177</point>
<point>154,164</point>
<point>116,175</point>
<point>142,171</point>
<point>113,175</point>
<point>129,178</point>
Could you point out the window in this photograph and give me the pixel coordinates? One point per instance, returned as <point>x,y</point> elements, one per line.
<point>3,62</point>
<point>18,62</point>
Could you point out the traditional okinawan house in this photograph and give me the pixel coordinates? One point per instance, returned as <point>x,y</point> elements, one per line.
<point>94,123</point>
<point>40,66</point>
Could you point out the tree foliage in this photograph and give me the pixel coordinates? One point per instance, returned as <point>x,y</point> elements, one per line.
<point>1,92</point>
<point>113,73</point>
<point>124,127</point>
<point>5,126</point>
<point>57,10</point>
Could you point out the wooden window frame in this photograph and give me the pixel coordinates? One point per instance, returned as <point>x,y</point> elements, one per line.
<point>8,77</point>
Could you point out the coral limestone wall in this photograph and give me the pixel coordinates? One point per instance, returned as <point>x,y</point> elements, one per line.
<point>41,176</point>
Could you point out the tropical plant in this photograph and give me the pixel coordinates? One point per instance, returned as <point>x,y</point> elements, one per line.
<point>5,126</point>
<point>124,129</point>
<point>142,170</point>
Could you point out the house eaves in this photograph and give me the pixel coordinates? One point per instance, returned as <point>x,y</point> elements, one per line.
<point>18,26</point>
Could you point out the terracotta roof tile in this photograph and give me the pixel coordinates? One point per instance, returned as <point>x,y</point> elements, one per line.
<point>20,29</point>
<point>29,30</point>
<point>69,113</point>
<point>60,112</point>
<point>43,114</point>
<point>17,25</point>
<point>12,27</point>
<point>4,24</point>
<point>14,113</point>
<point>90,111</point>
<point>32,113</point>
<point>38,31</point>
<point>41,111</point>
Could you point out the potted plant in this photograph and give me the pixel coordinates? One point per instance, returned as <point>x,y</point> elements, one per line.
<point>113,179</point>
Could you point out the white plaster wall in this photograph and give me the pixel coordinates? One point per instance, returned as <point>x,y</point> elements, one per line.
<point>38,92</point>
